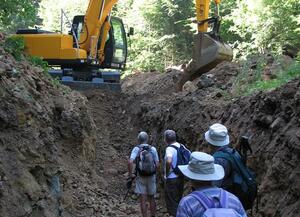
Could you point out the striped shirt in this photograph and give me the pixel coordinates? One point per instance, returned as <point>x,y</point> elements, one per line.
<point>189,206</point>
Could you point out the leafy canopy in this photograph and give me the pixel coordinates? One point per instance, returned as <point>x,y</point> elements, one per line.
<point>16,14</point>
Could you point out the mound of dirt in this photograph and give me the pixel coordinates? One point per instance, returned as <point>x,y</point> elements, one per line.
<point>153,83</point>
<point>65,154</point>
<point>271,120</point>
<point>44,131</point>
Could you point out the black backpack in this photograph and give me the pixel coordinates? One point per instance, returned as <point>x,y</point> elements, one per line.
<point>183,158</point>
<point>243,179</point>
<point>145,161</point>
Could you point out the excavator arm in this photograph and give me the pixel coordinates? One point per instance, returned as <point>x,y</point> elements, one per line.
<point>209,50</point>
<point>97,25</point>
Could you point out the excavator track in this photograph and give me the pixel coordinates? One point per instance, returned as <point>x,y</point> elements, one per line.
<point>81,80</point>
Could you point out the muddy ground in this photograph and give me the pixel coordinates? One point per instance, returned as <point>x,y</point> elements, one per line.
<point>64,153</point>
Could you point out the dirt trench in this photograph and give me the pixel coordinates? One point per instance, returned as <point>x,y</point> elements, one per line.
<point>64,154</point>
<point>149,102</point>
<point>117,129</point>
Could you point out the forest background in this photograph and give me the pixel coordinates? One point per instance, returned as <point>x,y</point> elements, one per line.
<point>164,28</point>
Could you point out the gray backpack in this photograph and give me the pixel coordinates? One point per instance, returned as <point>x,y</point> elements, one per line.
<point>211,210</point>
<point>145,161</point>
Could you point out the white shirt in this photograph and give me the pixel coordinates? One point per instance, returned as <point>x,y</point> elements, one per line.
<point>171,153</point>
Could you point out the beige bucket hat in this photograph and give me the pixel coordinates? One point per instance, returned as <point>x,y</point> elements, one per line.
<point>202,167</point>
<point>217,135</point>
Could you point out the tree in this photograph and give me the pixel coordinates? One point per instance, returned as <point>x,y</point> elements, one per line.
<point>266,25</point>
<point>16,14</point>
<point>50,11</point>
<point>170,21</point>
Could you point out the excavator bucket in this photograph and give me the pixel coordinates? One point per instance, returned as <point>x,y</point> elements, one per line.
<point>207,54</point>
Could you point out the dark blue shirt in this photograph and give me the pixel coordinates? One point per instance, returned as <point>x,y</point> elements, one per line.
<point>226,182</point>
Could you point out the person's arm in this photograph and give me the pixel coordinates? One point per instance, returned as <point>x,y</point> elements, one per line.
<point>169,159</point>
<point>156,159</point>
<point>157,165</point>
<point>133,155</point>
<point>183,210</point>
<point>240,209</point>
<point>168,165</point>
<point>130,168</point>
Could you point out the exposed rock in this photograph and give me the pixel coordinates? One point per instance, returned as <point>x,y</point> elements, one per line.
<point>204,82</point>
<point>277,124</point>
<point>264,120</point>
<point>189,87</point>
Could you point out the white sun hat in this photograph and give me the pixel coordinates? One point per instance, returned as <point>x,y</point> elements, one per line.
<point>217,135</point>
<point>202,167</point>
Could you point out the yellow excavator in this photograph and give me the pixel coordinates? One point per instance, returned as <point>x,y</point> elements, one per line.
<point>95,50</point>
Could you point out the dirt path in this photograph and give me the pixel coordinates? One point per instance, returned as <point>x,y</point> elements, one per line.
<point>119,117</point>
<point>117,127</point>
<point>115,137</point>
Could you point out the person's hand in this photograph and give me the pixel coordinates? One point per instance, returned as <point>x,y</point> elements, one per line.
<point>132,176</point>
<point>129,182</point>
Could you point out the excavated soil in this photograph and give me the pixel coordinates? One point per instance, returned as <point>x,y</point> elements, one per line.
<point>64,153</point>
<point>149,102</point>
<point>47,142</point>
<point>271,120</point>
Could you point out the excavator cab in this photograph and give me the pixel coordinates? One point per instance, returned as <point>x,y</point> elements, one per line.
<point>115,50</point>
<point>120,43</point>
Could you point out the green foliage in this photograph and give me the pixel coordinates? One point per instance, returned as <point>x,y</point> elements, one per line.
<point>265,25</point>
<point>38,61</point>
<point>162,32</point>
<point>251,80</point>
<point>283,77</point>
<point>298,56</point>
<point>169,21</point>
<point>15,45</point>
<point>50,12</point>
<point>165,37</point>
<point>16,14</point>
<point>145,54</point>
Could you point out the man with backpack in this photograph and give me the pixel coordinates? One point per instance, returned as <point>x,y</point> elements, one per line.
<point>207,200</point>
<point>146,162</point>
<point>238,179</point>
<point>176,154</point>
